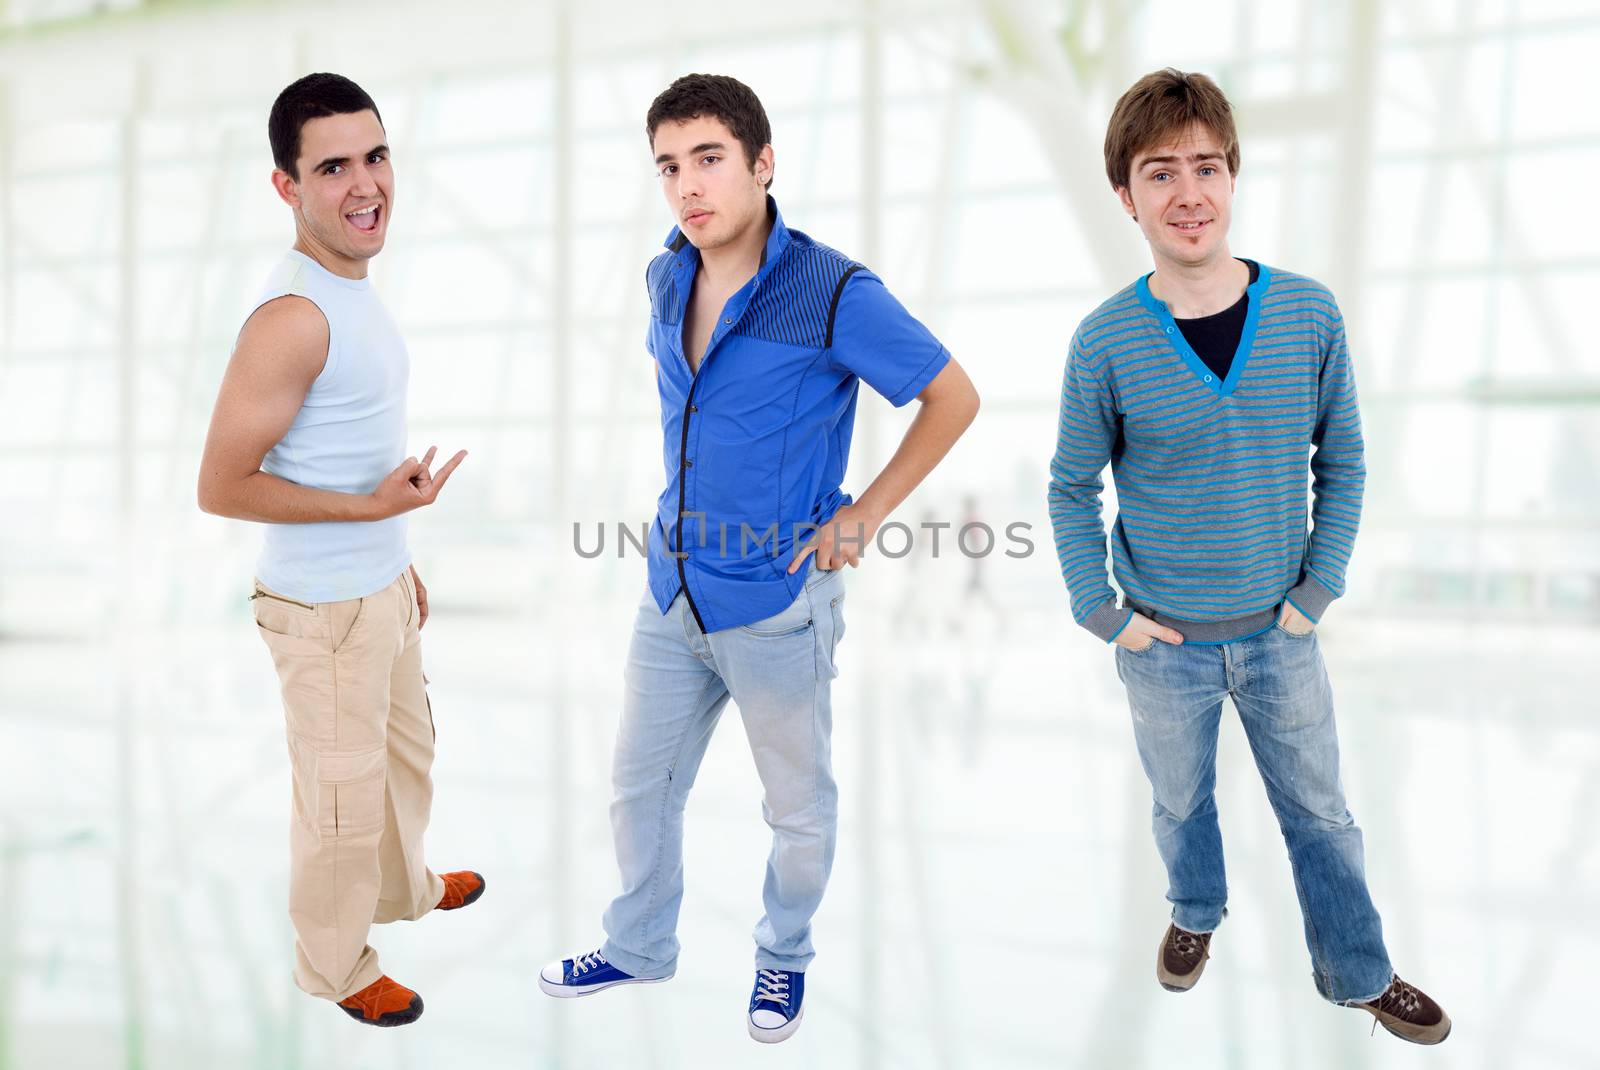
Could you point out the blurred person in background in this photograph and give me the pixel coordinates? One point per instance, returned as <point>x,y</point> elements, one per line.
<point>308,437</point>
<point>1205,385</point>
<point>760,337</point>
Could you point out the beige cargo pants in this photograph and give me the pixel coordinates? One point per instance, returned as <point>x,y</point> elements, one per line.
<point>360,746</point>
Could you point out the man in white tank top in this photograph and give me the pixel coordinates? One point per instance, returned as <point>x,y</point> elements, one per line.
<point>308,438</point>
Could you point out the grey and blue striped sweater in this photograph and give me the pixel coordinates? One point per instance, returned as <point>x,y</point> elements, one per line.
<point>1211,475</point>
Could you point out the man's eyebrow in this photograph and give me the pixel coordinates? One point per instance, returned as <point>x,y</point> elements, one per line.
<point>342,160</point>
<point>704,146</point>
<point>1196,156</point>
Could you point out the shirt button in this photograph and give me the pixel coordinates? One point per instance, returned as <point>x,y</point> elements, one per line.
<point>688,463</point>
<point>1169,330</point>
<point>694,408</point>
<point>728,321</point>
<point>1208,378</point>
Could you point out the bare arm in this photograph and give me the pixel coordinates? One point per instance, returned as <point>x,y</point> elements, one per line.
<point>948,406</point>
<point>280,353</point>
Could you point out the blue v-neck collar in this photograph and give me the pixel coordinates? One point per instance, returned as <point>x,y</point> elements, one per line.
<point>1186,353</point>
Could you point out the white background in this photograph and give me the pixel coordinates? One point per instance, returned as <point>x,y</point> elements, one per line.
<point>997,899</point>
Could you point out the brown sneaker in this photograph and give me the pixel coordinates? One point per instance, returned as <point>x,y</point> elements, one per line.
<point>1408,1013</point>
<point>384,1002</point>
<point>1181,958</point>
<point>461,888</point>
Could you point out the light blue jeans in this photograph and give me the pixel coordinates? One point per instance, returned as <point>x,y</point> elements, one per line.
<point>678,679</point>
<point>1280,687</point>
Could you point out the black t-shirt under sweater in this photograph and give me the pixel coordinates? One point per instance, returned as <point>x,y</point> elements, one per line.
<point>1215,338</point>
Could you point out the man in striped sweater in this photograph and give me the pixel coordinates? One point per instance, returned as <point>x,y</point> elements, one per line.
<point>1207,385</point>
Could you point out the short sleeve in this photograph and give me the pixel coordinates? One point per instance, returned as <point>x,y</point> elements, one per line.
<point>876,338</point>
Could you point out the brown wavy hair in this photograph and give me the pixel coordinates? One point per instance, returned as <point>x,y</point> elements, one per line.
<point>1160,107</point>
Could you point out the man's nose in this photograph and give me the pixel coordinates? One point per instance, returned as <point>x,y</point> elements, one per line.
<point>362,182</point>
<point>1188,191</point>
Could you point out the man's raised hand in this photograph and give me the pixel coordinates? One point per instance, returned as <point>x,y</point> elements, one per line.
<point>412,485</point>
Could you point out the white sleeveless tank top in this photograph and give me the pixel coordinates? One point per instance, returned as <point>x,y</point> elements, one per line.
<point>349,433</point>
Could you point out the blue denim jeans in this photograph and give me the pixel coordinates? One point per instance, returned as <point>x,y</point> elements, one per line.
<point>1279,686</point>
<point>678,679</point>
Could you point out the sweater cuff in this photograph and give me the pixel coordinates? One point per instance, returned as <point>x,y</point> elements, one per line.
<point>1107,621</point>
<point>1310,597</point>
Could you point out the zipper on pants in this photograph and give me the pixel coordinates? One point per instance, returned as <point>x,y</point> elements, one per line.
<point>280,598</point>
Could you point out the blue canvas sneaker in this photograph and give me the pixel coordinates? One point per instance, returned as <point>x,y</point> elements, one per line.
<point>584,975</point>
<point>775,1009</point>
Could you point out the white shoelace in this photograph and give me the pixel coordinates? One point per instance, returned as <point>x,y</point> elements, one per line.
<point>773,986</point>
<point>1402,996</point>
<point>584,963</point>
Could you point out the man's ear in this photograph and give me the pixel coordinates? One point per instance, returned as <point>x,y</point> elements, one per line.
<point>1127,202</point>
<point>764,165</point>
<point>288,189</point>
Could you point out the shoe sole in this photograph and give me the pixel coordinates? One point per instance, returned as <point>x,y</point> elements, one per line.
<point>774,1036</point>
<point>550,988</point>
<point>1418,1040</point>
<point>1392,1031</point>
<point>390,1019</point>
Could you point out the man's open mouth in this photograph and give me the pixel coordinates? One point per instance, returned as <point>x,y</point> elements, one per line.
<point>365,219</point>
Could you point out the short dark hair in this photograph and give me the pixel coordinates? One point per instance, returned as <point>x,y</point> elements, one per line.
<point>720,97</point>
<point>1159,107</point>
<point>312,97</point>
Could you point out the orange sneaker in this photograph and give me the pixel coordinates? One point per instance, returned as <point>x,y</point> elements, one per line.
<point>461,888</point>
<point>384,1002</point>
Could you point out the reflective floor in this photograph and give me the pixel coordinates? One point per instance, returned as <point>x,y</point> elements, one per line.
<point>996,900</point>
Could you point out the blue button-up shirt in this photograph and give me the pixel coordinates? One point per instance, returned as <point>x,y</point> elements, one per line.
<point>755,444</point>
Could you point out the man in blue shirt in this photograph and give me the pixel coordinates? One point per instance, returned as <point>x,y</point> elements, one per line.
<point>759,335</point>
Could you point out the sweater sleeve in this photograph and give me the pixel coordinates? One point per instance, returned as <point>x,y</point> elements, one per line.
<point>1339,476</point>
<point>1086,433</point>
